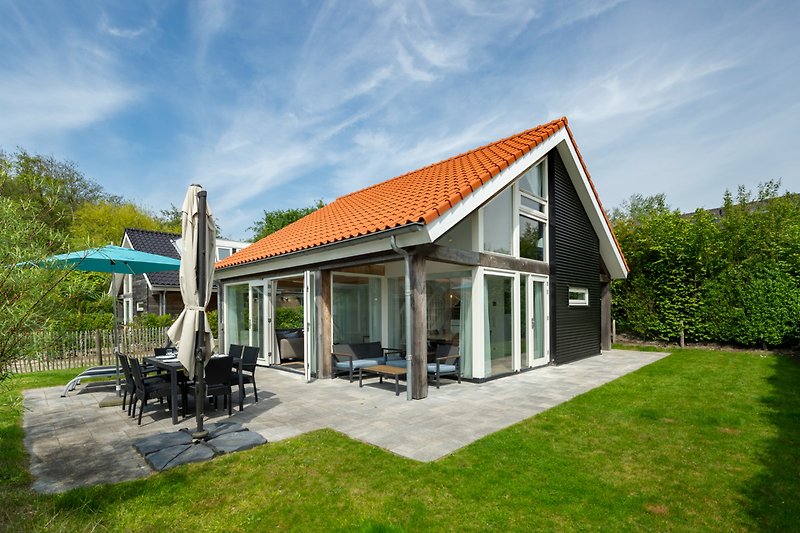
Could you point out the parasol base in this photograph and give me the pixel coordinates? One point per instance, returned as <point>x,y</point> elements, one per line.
<point>199,435</point>
<point>111,401</point>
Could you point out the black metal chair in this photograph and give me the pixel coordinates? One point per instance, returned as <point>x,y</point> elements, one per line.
<point>235,351</point>
<point>245,372</point>
<point>147,389</point>
<point>129,386</point>
<point>218,382</point>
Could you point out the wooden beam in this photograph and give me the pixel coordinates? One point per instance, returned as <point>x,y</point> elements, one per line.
<point>436,252</point>
<point>605,316</point>
<point>419,329</point>
<point>324,321</point>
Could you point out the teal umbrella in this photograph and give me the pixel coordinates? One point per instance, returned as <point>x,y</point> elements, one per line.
<point>112,259</point>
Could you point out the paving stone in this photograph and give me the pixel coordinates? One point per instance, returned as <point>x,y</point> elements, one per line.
<point>159,459</point>
<point>221,428</point>
<point>153,443</point>
<point>235,442</point>
<point>194,453</point>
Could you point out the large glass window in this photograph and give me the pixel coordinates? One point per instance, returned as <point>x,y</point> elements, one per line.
<point>449,312</point>
<point>498,223</point>
<point>532,192</point>
<point>356,309</point>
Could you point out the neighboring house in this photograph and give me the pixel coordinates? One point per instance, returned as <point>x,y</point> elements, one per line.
<point>160,292</point>
<point>511,258</point>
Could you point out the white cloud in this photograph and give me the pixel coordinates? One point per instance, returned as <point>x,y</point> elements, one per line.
<point>124,33</point>
<point>51,88</point>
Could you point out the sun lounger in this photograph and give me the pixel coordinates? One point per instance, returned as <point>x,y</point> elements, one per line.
<point>94,372</point>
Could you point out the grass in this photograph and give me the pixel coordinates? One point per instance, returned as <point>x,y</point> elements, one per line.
<point>701,440</point>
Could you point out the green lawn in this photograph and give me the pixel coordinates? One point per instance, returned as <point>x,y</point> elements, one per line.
<point>702,440</point>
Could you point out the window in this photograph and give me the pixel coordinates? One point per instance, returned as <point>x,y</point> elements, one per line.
<point>223,252</point>
<point>532,192</point>
<point>520,211</point>
<point>498,223</point>
<point>578,297</point>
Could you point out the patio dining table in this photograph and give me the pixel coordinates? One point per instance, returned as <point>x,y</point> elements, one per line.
<point>172,365</point>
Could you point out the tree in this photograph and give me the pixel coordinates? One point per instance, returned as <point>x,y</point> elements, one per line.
<point>272,221</point>
<point>732,276</point>
<point>104,222</point>
<point>51,190</point>
<point>31,229</point>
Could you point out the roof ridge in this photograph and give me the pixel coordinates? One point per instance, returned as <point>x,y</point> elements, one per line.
<point>153,231</point>
<point>559,123</point>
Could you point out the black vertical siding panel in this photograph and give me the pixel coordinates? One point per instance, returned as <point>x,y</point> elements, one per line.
<point>574,260</point>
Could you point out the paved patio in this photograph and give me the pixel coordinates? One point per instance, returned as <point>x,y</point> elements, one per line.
<point>72,442</point>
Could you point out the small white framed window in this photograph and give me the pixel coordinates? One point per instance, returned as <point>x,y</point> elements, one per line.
<point>578,296</point>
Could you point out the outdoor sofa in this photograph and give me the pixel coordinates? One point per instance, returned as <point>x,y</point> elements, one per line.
<point>349,357</point>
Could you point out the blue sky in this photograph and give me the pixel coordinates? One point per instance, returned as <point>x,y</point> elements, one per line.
<point>274,104</point>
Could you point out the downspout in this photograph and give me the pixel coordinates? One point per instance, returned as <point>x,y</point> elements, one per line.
<point>409,333</point>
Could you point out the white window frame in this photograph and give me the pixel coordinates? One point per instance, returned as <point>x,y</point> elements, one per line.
<point>518,210</point>
<point>578,302</point>
<point>538,216</point>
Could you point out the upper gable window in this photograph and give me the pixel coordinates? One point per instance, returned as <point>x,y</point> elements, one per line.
<point>515,221</point>
<point>531,184</point>
<point>532,193</point>
<point>498,223</point>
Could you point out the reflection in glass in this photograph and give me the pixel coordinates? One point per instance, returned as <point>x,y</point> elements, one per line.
<point>238,311</point>
<point>532,181</point>
<point>531,238</point>
<point>356,309</point>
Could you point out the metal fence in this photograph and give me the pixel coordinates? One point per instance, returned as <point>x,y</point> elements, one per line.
<point>74,349</point>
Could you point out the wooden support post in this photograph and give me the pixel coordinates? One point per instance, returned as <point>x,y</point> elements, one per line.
<point>324,333</point>
<point>683,343</point>
<point>98,342</point>
<point>419,328</point>
<point>605,316</point>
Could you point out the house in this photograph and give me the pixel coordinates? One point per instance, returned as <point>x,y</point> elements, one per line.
<point>507,250</point>
<point>160,292</point>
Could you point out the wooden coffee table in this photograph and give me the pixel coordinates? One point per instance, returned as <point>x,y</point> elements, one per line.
<point>384,371</point>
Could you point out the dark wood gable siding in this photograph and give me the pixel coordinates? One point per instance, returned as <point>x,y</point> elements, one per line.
<point>574,261</point>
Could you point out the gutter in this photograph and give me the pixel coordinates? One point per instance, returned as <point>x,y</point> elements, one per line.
<point>409,336</point>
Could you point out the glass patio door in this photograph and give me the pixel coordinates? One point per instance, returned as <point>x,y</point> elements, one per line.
<point>309,325</point>
<point>498,325</point>
<point>258,313</point>
<point>534,345</point>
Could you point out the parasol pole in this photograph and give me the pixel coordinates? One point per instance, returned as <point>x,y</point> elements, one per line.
<point>116,337</point>
<point>200,334</point>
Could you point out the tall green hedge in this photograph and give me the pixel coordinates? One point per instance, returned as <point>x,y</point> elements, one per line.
<point>731,277</point>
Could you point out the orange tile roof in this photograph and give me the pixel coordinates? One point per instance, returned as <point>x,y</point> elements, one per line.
<point>420,196</point>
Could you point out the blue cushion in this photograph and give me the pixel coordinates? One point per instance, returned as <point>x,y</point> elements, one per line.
<point>443,369</point>
<point>400,363</point>
<point>359,363</point>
